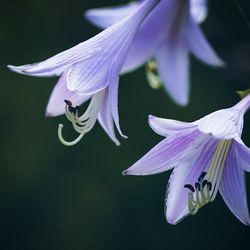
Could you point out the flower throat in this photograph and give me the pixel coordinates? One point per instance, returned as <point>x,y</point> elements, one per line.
<point>207,186</point>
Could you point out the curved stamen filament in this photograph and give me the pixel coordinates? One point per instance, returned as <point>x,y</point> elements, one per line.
<point>67,143</point>
<point>207,186</point>
<point>84,123</point>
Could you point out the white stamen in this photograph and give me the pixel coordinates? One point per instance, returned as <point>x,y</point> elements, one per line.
<point>217,165</point>
<point>206,188</point>
<point>84,123</point>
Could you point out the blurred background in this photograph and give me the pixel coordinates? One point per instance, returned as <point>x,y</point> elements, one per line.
<point>54,197</point>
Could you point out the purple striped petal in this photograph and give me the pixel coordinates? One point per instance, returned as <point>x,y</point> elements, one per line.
<point>105,17</point>
<point>88,77</point>
<point>233,189</point>
<point>164,155</point>
<point>101,52</point>
<point>223,124</point>
<point>113,99</point>
<point>199,45</point>
<point>243,155</point>
<point>147,40</point>
<point>167,127</point>
<point>173,67</point>
<point>105,118</point>
<point>187,172</point>
<point>56,104</point>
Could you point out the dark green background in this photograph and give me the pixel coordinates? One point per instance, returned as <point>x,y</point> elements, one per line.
<point>54,197</point>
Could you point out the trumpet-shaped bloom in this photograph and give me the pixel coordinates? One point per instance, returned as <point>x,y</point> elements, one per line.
<point>91,70</point>
<point>207,155</point>
<point>168,34</point>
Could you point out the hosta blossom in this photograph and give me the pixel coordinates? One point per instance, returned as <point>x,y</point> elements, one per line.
<point>207,155</point>
<point>91,70</point>
<point>168,35</point>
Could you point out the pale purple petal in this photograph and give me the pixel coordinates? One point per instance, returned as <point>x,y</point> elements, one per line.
<point>113,102</point>
<point>100,49</point>
<point>88,77</point>
<point>149,36</point>
<point>233,189</point>
<point>164,155</point>
<point>199,45</point>
<point>223,124</point>
<point>243,155</point>
<point>186,172</point>
<point>105,118</point>
<point>173,67</point>
<point>56,104</point>
<point>107,64</point>
<point>199,10</point>
<point>167,127</point>
<point>105,17</point>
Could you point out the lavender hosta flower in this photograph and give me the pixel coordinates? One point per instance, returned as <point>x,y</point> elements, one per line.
<point>90,71</point>
<point>168,34</point>
<point>207,155</point>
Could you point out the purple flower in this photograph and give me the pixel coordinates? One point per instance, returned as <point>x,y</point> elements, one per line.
<point>91,70</point>
<point>168,34</point>
<point>207,155</point>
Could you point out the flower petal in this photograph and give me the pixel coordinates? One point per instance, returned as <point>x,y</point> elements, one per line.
<point>105,17</point>
<point>167,127</point>
<point>199,10</point>
<point>233,189</point>
<point>199,45</point>
<point>186,172</point>
<point>164,155</point>
<point>223,124</point>
<point>147,39</point>
<point>109,46</point>
<point>243,154</point>
<point>113,49</point>
<point>56,104</point>
<point>105,118</point>
<point>87,77</point>
<point>113,102</point>
<point>173,67</point>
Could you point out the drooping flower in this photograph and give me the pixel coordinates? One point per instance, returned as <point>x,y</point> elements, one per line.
<point>168,35</point>
<point>207,155</point>
<point>90,71</point>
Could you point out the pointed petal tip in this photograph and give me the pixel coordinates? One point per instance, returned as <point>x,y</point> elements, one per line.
<point>13,68</point>
<point>182,101</point>
<point>173,220</point>
<point>170,219</point>
<point>130,171</point>
<point>117,143</point>
<point>247,222</point>
<point>51,114</point>
<point>220,64</point>
<point>18,69</point>
<point>151,118</point>
<point>180,98</point>
<point>88,15</point>
<point>124,136</point>
<point>47,114</point>
<point>125,172</point>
